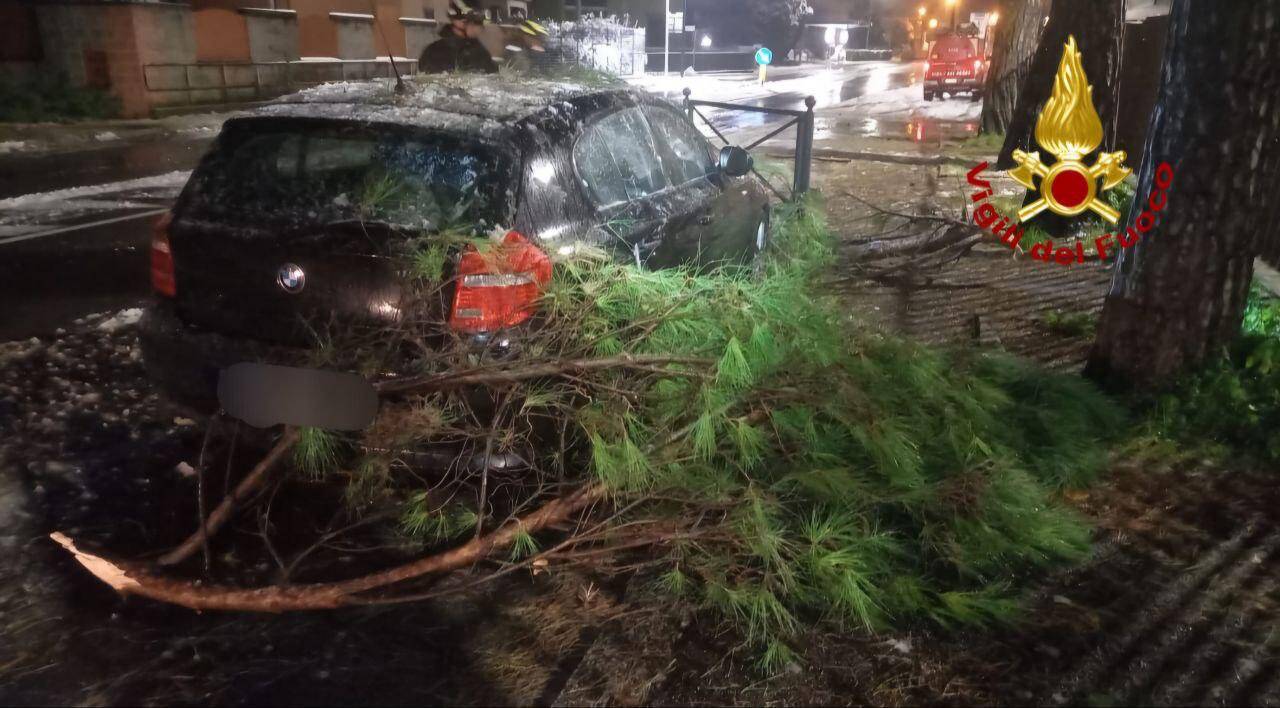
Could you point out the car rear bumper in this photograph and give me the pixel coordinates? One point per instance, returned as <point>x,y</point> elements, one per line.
<point>185,363</point>
<point>961,84</point>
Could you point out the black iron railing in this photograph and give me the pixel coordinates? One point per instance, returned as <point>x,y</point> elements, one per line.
<point>802,120</point>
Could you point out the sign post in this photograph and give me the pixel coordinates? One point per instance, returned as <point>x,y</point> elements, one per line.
<point>764,57</point>
<point>666,40</point>
<point>675,21</point>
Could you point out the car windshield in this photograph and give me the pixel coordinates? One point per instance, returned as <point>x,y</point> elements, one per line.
<point>314,172</point>
<point>953,49</point>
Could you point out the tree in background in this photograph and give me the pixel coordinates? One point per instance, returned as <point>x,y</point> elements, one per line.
<point>773,23</point>
<point>1098,26</point>
<point>1178,296</point>
<point>1016,39</point>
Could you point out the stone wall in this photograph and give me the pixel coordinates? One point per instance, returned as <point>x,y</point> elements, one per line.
<point>355,35</point>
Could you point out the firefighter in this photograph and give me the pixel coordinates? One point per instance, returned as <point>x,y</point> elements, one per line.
<point>527,51</point>
<point>458,48</point>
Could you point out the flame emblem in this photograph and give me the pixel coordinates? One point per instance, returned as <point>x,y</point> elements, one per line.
<point>1069,128</point>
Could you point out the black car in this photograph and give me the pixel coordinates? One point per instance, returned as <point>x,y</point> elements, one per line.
<point>284,225</point>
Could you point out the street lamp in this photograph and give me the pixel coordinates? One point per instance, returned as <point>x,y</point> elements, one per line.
<point>995,17</point>
<point>920,11</point>
<point>933,23</point>
<point>952,4</point>
<point>706,41</point>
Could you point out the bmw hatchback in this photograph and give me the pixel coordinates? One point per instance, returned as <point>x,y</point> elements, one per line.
<point>284,229</point>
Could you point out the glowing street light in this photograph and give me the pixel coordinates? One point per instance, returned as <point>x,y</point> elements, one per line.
<point>952,4</point>
<point>933,23</point>
<point>995,17</point>
<point>920,11</point>
<point>706,41</point>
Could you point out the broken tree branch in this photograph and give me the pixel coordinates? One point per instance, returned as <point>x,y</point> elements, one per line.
<point>131,579</point>
<point>947,232</point>
<point>250,484</point>
<point>498,375</point>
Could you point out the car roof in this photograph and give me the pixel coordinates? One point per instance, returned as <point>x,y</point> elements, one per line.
<point>486,105</point>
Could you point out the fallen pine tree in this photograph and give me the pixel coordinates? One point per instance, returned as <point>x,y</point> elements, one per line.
<point>736,433</point>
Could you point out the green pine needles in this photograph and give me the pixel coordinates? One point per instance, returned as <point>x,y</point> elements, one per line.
<point>1235,400</point>
<point>864,480</point>
<point>803,468</point>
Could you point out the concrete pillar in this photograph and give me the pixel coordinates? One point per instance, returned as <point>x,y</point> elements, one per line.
<point>273,34</point>
<point>355,35</point>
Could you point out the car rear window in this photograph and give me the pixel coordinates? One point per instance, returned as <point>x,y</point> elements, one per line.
<point>304,172</point>
<point>952,49</point>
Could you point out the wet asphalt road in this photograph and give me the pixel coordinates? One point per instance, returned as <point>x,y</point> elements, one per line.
<point>63,258</point>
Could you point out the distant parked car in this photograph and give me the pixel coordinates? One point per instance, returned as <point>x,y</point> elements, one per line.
<point>954,66</point>
<point>283,228</point>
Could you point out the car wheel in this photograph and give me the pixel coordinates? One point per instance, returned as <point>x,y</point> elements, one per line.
<point>928,95</point>
<point>975,96</point>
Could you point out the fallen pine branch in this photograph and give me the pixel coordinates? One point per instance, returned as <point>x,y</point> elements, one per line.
<point>250,484</point>
<point>498,375</point>
<point>917,245</point>
<point>132,579</point>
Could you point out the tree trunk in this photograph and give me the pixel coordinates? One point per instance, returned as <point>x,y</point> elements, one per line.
<point>1179,294</point>
<point>1098,26</point>
<point>1017,36</point>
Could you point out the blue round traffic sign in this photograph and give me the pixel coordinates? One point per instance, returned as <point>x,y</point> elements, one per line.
<point>764,56</point>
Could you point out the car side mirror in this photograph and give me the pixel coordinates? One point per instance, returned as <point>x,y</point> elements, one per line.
<point>734,161</point>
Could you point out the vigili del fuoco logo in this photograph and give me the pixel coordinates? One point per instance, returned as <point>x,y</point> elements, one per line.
<point>1070,130</point>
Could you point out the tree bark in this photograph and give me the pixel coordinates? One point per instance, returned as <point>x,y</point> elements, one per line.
<point>1098,26</point>
<point>1017,36</point>
<point>1178,295</point>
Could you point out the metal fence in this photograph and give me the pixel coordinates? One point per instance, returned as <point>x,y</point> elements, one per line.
<point>802,120</point>
<point>601,43</point>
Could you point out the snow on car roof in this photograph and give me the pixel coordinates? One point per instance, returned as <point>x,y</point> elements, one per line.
<point>474,103</point>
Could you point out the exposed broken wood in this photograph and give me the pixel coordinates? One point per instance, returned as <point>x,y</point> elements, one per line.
<point>133,579</point>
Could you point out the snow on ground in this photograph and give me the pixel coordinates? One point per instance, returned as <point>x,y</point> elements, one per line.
<point>908,102</point>
<point>7,146</point>
<point>42,200</point>
<point>106,136</point>
<point>739,86</point>
<point>123,318</point>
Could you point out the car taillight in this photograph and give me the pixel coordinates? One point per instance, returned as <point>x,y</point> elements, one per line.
<point>162,277</point>
<point>499,288</point>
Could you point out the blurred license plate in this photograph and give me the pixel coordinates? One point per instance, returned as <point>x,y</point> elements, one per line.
<point>951,81</point>
<point>263,395</point>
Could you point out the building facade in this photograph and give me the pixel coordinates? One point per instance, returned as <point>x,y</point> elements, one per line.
<point>157,56</point>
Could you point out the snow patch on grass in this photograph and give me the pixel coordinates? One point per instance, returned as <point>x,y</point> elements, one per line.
<point>123,318</point>
<point>7,146</point>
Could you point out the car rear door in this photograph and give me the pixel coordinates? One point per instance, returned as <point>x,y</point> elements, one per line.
<point>615,160</point>
<point>714,217</point>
